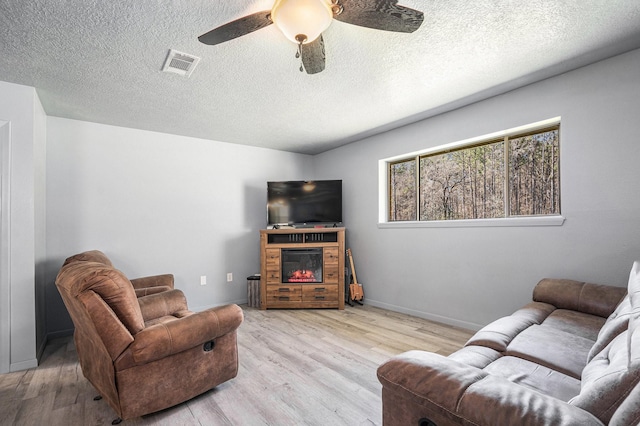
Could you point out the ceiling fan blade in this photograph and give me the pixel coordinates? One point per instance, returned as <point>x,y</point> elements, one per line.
<point>237,28</point>
<point>380,15</point>
<point>313,56</point>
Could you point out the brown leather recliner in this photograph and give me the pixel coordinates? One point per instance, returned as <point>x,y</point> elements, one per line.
<point>137,342</point>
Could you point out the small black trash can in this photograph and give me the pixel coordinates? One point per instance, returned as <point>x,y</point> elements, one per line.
<point>253,291</point>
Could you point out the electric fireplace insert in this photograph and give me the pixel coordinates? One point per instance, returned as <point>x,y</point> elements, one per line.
<point>302,265</point>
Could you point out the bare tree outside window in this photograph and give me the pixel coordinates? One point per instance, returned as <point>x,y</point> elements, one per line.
<point>402,180</point>
<point>463,184</point>
<point>534,176</point>
<point>475,182</point>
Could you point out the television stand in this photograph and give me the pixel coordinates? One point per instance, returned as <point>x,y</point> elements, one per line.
<point>302,268</point>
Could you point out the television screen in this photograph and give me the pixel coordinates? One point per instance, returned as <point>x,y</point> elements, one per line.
<point>304,202</point>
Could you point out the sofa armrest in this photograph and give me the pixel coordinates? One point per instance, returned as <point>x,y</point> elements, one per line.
<point>164,280</point>
<point>157,305</point>
<point>165,339</point>
<point>461,394</point>
<point>594,299</point>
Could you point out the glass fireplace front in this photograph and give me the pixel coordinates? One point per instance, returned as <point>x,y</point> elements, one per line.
<point>302,265</point>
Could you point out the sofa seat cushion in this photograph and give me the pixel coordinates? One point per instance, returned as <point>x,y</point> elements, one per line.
<point>496,401</point>
<point>553,348</point>
<point>536,377</point>
<point>577,323</point>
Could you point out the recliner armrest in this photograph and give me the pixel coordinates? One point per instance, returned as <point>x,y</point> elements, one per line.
<point>162,304</point>
<point>163,280</point>
<point>165,339</point>
<point>147,291</point>
<point>471,395</point>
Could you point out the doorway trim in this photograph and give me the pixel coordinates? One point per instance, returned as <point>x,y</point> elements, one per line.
<point>5,246</point>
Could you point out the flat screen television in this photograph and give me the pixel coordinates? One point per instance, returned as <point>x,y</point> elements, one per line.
<point>304,202</point>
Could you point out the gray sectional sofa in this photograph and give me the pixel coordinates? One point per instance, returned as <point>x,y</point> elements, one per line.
<point>570,357</point>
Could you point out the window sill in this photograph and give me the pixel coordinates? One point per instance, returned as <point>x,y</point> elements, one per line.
<point>479,223</point>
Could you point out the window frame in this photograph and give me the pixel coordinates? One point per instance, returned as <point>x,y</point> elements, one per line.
<point>384,189</point>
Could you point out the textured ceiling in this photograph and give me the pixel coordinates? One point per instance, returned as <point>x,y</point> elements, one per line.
<point>101,61</point>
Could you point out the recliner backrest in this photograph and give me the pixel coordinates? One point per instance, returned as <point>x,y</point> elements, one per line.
<point>110,284</point>
<point>89,256</point>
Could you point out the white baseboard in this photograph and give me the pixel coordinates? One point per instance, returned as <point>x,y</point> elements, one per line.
<point>426,315</point>
<point>23,365</point>
<point>231,302</point>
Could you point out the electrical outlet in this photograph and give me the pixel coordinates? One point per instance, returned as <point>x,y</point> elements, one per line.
<point>203,280</point>
<point>229,277</point>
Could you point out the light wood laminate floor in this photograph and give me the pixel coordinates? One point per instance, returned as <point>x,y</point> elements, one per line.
<point>297,367</point>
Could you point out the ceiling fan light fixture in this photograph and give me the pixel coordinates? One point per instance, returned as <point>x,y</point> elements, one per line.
<point>302,19</point>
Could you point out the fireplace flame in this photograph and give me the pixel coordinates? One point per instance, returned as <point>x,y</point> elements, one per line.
<point>302,276</point>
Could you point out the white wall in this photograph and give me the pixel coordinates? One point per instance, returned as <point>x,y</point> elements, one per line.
<point>24,241</point>
<point>470,276</point>
<point>158,203</point>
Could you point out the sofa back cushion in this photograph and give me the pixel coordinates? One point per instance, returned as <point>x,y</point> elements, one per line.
<point>594,299</point>
<point>629,411</point>
<point>614,372</point>
<point>617,322</point>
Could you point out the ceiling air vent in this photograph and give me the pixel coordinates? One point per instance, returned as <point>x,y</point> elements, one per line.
<point>180,63</point>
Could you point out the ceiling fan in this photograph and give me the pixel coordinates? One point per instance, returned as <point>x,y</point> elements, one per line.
<point>303,21</point>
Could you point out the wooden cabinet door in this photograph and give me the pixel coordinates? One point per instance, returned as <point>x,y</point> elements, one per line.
<point>272,265</point>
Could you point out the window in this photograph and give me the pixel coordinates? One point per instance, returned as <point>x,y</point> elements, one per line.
<point>514,175</point>
<point>402,182</point>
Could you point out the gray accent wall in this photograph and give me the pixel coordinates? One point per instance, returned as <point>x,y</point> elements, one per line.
<point>158,203</point>
<point>471,276</point>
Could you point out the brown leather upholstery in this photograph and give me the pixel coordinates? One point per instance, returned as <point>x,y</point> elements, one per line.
<point>138,343</point>
<point>570,357</point>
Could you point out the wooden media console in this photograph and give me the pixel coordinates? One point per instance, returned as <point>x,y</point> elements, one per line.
<point>302,268</point>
